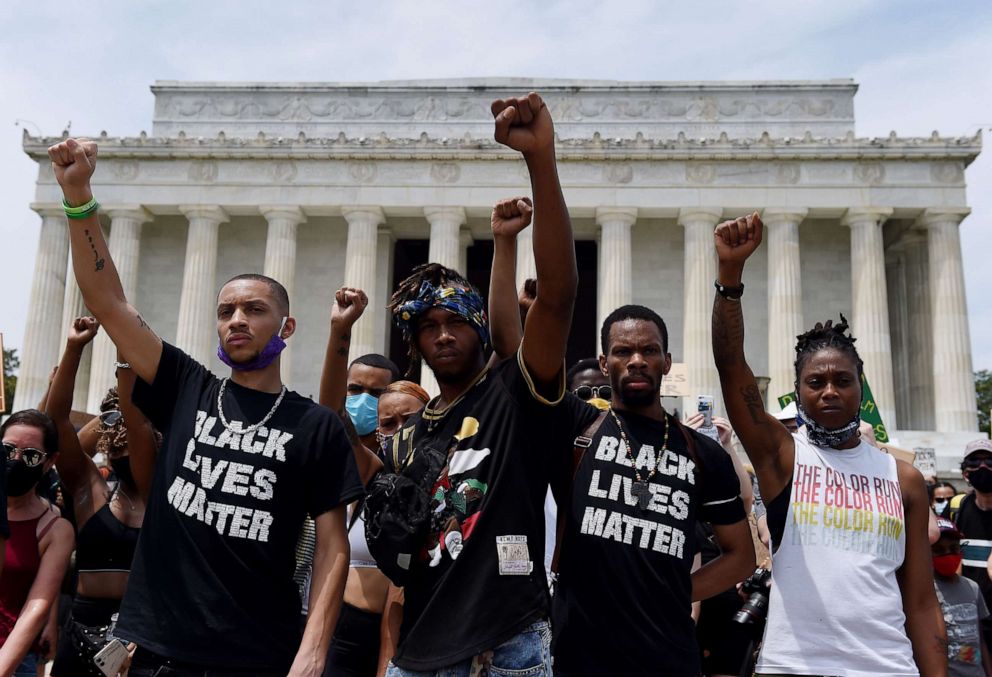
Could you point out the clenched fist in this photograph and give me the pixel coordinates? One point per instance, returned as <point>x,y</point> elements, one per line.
<point>524,124</point>
<point>73,162</point>
<point>349,304</point>
<point>511,216</point>
<point>83,330</point>
<point>736,240</point>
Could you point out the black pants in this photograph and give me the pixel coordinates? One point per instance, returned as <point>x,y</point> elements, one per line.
<point>354,650</point>
<point>82,635</point>
<point>148,664</point>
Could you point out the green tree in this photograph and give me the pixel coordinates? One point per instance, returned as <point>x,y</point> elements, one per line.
<point>11,363</point>
<point>983,393</point>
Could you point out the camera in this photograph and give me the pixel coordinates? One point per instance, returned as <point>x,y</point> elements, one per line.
<point>756,587</point>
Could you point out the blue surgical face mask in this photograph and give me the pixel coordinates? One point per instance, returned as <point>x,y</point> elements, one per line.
<point>364,412</point>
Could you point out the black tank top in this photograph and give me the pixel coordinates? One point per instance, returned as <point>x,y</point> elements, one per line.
<point>105,543</point>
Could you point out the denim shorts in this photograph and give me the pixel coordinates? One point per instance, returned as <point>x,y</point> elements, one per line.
<point>527,654</point>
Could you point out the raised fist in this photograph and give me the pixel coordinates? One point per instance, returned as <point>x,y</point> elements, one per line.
<point>349,304</point>
<point>73,162</point>
<point>524,124</point>
<point>511,216</point>
<point>736,240</point>
<point>83,330</point>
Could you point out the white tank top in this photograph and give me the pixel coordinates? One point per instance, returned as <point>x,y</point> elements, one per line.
<point>361,558</point>
<point>835,606</point>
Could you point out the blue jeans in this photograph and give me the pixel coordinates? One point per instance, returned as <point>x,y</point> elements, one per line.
<point>527,654</point>
<point>28,666</point>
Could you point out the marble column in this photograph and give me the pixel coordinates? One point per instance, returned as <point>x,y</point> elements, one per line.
<point>919,331</point>
<point>40,351</point>
<point>360,269</point>
<point>195,332</point>
<point>446,249</point>
<point>280,262</point>
<point>615,285</point>
<point>383,319</point>
<point>73,307</point>
<point>125,247</point>
<point>869,312</point>
<point>953,379</point>
<point>785,296</point>
<point>699,261</point>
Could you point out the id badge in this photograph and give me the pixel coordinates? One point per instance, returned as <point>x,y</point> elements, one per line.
<point>514,556</point>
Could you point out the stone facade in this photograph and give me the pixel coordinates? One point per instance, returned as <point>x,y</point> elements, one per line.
<point>320,184</point>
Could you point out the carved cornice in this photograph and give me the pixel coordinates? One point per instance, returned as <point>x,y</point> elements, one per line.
<point>468,147</point>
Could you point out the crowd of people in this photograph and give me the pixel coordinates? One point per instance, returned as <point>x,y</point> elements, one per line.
<point>528,520</point>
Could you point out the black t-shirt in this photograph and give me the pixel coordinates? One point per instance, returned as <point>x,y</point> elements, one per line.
<point>212,579</point>
<point>493,493</point>
<point>623,601</point>
<point>976,545</point>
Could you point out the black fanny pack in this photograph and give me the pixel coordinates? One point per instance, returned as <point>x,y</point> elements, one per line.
<point>398,512</point>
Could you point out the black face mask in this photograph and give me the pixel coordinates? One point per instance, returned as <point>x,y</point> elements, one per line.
<point>21,478</point>
<point>981,479</point>
<point>122,468</point>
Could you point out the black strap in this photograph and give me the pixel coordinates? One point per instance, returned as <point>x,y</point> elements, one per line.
<point>582,442</point>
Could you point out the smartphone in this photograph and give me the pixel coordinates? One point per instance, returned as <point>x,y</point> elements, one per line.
<point>110,658</point>
<point>705,407</point>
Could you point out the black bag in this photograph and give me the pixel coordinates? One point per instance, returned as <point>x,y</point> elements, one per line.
<point>398,512</point>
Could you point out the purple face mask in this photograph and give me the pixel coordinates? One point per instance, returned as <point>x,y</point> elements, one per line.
<point>269,353</point>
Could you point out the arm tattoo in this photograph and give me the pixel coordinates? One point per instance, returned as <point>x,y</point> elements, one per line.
<point>755,407</point>
<point>97,259</point>
<point>343,352</point>
<point>728,332</point>
<point>142,323</point>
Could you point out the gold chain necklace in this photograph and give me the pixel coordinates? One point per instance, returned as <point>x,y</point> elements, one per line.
<point>640,488</point>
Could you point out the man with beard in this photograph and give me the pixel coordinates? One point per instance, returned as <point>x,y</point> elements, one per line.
<point>242,462</point>
<point>629,539</point>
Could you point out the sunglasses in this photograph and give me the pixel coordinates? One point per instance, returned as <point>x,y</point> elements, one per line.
<point>589,392</point>
<point>110,418</point>
<point>977,463</point>
<point>31,456</point>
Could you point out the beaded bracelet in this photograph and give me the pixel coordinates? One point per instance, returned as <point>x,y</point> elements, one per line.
<point>82,211</point>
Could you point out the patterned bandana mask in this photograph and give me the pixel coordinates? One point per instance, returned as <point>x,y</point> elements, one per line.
<point>827,437</point>
<point>269,353</point>
<point>464,302</point>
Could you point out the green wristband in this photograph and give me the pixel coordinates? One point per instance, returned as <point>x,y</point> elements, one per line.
<point>82,211</point>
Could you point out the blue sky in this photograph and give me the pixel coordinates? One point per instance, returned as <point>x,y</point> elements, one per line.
<point>920,66</point>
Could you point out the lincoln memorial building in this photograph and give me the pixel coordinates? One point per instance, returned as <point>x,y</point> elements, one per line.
<point>321,185</point>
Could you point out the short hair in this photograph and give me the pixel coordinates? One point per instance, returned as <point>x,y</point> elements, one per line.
<point>35,419</point>
<point>530,288</point>
<point>827,335</point>
<point>632,312</point>
<point>278,291</point>
<point>379,362</point>
<point>582,365</point>
<point>409,388</point>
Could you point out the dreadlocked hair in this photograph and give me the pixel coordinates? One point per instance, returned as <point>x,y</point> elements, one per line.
<point>409,289</point>
<point>112,438</point>
<point>826,335</point>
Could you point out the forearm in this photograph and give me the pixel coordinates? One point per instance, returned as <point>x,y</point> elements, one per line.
<point>554,251</point>
<point>93,267</point>
<point>28,626</point>
<point>925,628</point>
<point>728,324</point>
<point>504,310</point>
<point>392,619</point>
<point>330,572</point>
<point>334,375</point>
<point>59,404</point>
<point>722,573</point>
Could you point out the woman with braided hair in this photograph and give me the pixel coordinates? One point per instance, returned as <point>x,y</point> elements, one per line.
<point>852,590</point>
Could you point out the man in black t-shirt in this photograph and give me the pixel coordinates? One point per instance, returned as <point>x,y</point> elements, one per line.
<point>972,514</point>
<point>476,598</point>
<point>242,462</point>
<point>623,598</point>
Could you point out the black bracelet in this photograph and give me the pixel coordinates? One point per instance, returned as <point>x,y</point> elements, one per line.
<point>729,293</point>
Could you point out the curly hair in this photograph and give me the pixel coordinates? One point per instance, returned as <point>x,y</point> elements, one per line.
<point>408,289</point>
<point>826,335</point>
<point>112,438</point>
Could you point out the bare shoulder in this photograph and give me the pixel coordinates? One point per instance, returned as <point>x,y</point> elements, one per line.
<point>60,537</point>
<point>910,481</point>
